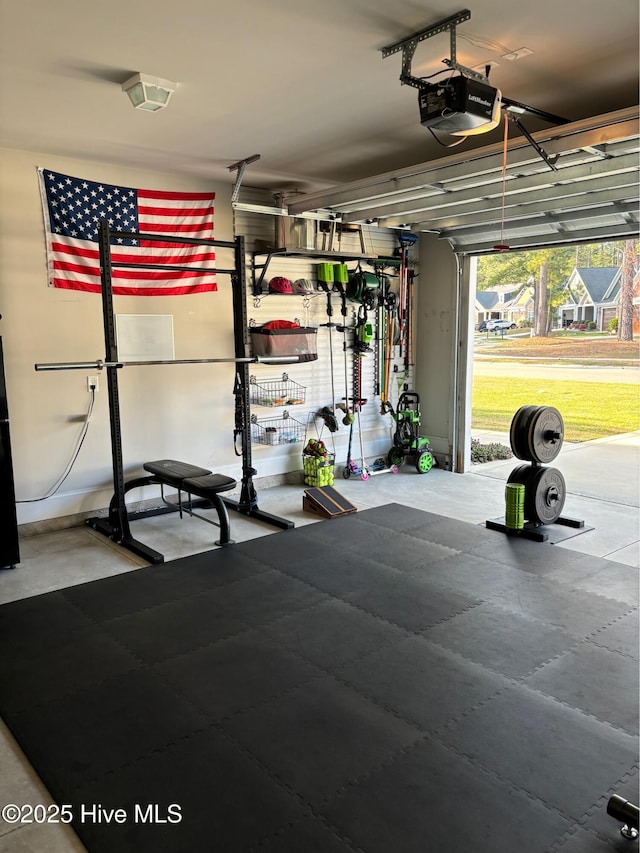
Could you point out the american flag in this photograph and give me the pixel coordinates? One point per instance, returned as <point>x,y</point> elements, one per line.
<point>73,209</point>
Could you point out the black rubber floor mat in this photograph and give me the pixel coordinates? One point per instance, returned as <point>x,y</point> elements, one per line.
<point>390,680</point>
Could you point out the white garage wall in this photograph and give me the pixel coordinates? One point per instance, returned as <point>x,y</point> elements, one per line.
<point>185,412</point>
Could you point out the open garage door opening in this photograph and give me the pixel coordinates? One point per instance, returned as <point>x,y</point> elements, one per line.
<point>557,327</point>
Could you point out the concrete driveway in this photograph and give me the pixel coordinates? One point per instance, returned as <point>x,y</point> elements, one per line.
<point>602,476</point>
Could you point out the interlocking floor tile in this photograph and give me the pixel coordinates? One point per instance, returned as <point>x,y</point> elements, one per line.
<point>621,636</point>
<point>85,661</point>
<point>611,697</point>
<point>477,576</point>
<point>337,577</point>
<point>505,642</point>
<point>153,585</point>
<point>266,596</point>
<point>160,632</point>
<point>227,801</point>
<point>400,551</point>
<point>241,672</point>
<point>332,633</point>
<point>538,558</point>
<point>607,827</point>
<point>320,736</point>
<point>29,625</point>
<point>583,841</point>
<point>300,545</point>
<point>398,517</point>
<point>559,755</point>
<point>454,533</point>
<point>573,610</point>
<point>601,577</point>
<point>86,734</point>
<point>310,835</point>
<point>431,800</point>
<point>411,601</point>
<point>422,682</point>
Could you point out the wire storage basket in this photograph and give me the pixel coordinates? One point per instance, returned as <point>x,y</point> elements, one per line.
<point>317,463</point>
<point>276,392</point>
<point>275,431</point>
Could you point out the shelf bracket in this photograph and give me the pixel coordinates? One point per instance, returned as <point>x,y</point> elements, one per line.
<point>240,166</point>
<point>408,47</point>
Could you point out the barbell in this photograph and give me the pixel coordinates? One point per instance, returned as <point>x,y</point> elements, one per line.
<point>99,364</point>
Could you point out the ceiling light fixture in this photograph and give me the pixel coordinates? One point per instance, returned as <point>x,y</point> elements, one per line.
<point>149,93</point>
<point>520,53</point>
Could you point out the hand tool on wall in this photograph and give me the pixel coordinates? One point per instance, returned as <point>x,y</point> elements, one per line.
<point>324,274</point>
<point>348,416</point>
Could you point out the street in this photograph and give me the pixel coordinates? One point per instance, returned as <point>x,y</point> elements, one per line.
<point>577,373</point>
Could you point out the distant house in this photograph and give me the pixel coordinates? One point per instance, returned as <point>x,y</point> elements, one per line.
<point>591,296</point>
<point>513,302</point>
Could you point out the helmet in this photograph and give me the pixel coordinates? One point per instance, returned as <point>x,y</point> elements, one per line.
<point>302,285</point>
<point>279,284</point>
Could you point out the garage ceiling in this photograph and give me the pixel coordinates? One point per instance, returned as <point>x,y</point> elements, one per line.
<point>477,201</point>
<point>303,84</point>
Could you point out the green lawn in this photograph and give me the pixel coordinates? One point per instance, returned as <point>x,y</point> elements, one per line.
<point>589,409</point>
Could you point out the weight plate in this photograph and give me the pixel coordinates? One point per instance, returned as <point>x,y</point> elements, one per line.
<point>518,432</point>
<point>545,432</point>
<point>519,474</point>
<point>524,474</point>
<point>545,493</point>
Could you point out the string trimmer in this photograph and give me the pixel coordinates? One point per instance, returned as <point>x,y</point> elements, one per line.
<point>348,416</point>
<point>363,470</point>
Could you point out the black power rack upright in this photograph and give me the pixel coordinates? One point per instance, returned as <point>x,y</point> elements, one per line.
<point>116,524</point>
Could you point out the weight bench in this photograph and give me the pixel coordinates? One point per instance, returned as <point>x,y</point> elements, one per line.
<point>192,480</point>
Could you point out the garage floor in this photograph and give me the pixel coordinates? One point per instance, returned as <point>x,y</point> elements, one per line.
<point>61,559</point>
<point>389,680</point>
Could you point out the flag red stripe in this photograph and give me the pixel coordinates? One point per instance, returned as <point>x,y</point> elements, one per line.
<point>187,257</point>
<point>143,210</point>
<point>142,275</point>
<point>162,244</point>
<point>173,228</point>
<point>174,195</point>
<point>70,284</point>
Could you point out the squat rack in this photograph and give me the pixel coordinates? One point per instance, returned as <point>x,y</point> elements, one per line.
<point>116,525</point>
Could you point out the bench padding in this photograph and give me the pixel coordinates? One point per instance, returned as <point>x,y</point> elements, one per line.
<point>174,472</point>
<point>208,484</point>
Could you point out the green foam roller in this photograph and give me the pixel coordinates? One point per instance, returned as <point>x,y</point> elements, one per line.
<point>514,506</point>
